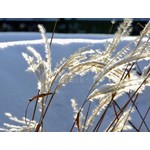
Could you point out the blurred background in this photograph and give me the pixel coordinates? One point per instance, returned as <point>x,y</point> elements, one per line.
<point>69,25</point>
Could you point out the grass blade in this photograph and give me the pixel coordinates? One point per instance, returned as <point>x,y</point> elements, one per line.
<point>144,120</point>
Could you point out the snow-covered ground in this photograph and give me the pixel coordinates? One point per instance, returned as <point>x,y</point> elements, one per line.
<point>17,85</point>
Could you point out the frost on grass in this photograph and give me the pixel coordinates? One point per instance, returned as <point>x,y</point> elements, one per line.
<point>118,68</point>
<point>115,66</point>
<point>24,124</point>
<point>121,125</point>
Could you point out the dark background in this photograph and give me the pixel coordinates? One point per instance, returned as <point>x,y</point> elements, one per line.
<point>69,25</point>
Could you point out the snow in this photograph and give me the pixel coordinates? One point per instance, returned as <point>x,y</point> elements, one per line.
<point>17,85</point>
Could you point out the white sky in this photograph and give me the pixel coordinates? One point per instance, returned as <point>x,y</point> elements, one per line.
<point>75,9</point>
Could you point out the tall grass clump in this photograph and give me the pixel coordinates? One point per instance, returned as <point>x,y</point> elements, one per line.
<point>117,68</point>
